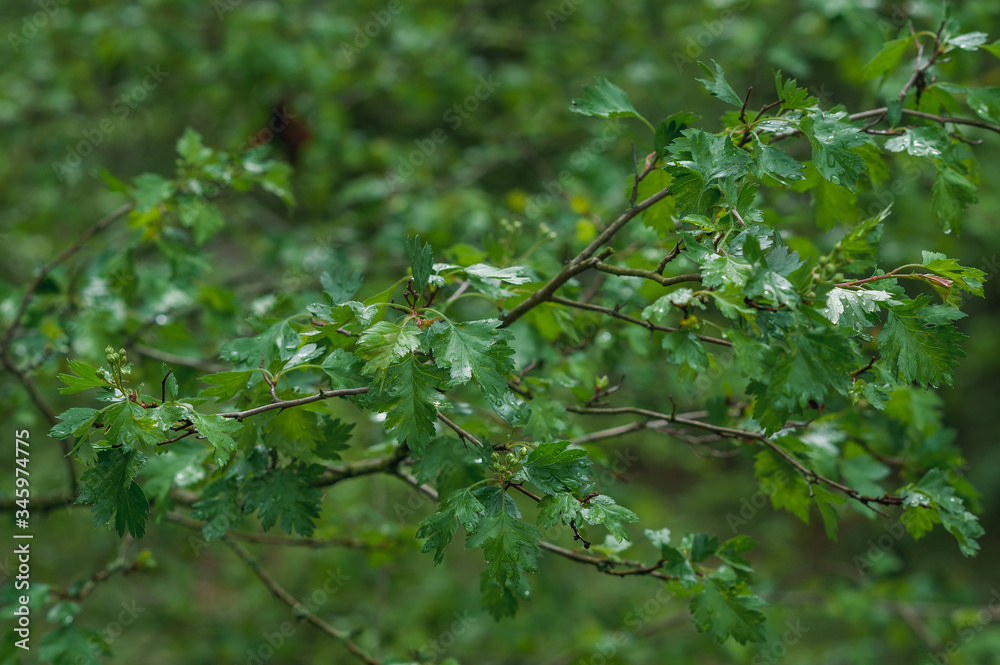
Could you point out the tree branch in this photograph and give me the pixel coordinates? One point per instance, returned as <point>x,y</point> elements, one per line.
<point>581,261</point>
<point>647,274</point>
<point>742,435</point>
<point>284,404</point>
<point>303,613</point>
<point>639,322</point>
<point>66,253</point>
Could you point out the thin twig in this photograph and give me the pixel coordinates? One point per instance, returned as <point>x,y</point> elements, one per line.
<point>300,610</point>
<point>462,434</point>
<point>744,435</point>
<point>284,404</point>
<point>647,274</point>
<point>671,255</point>
<point>580,262</point>
<point>639,322</point>
<point>66,253</point>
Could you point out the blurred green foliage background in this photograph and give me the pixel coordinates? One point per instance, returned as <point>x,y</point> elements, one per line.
<point>377,89</point>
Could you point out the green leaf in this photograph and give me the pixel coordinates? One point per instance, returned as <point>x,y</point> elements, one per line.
<point>602,509</point>
<point>703,546</point>
<point>727,609</point>
<point>76,422</point>
<point>813,363</point>
<point>854,309</point>
<point>477,349</point>
<point>219,507</point>
<point>169,383</point>
<point>459,507</point>
<point>181,466</point>
<point>985,102</point>
<point>858,250</point>
<point>921,142</point>
<point>277,342</point>
<point>732,552</point>
<point>509,545</point>
<point>675,564</point>
<point>515,412</point>
<point>791,95</point>
<point>116,497</point>
<point>832,139</point>
<point>69,644</point>
<point>717,85</point>
<point>344,369</point>
<point>276,179</point>
<point>87,377</point>
<point>385,343</point>
<point>305,353</point>
<point>547,419</point>
<point>129,425</point>
<point>410,400</point>
<point>150,191</point>
<point>218,430</point>
<point>966,279</point>
<point>933,495</point>
<point>225,385</point>
<point>421,261</point>
<point>886,59</point>
<point>340,283</point>
<point>558,508</point>
<point>863,473</point>
<point>294,432</point>
<point>554,468</point>
<point>285,495</point>
<point>334,438</point>
<point>670,128</point>
<point>499,600</point>
<point>791,491</point>
<point>605,100</point>
<point>191,148</point>
<point>660,308</point>
<point>919,350</point>
<point>203,218</point>
<point>684,348</point>
<point>660,216</point>
<point>953,192</point>
<point>970,41</point>
<point>824,500</point>
<point>774,162</point>
<point>993,48</point>
<point>510,275</point>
